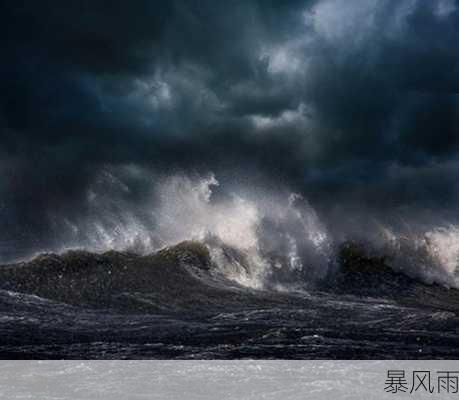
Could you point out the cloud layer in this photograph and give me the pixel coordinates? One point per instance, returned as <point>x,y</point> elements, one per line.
<point>348,102</point>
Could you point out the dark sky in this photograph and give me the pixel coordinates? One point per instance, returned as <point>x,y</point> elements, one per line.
<point>347,101</point>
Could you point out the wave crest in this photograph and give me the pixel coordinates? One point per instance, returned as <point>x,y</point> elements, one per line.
<point>432,256</point>
<point>258,237</point>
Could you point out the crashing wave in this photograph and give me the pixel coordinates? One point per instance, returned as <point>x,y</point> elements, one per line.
<point>431,257</point>
<point>187,277</point>
<point>258,238</point>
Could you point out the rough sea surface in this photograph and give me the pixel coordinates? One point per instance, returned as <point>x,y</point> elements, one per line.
<point>174,305</point>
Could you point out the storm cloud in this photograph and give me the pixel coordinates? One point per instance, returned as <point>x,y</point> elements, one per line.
<point>346,102</point>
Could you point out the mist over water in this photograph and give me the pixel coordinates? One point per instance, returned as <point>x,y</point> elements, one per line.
<point>258,237</point>
<point>432,256</point>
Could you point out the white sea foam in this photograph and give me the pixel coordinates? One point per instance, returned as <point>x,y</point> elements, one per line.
<point>431,256</point>
<point>256,237</point>
<point>268,231</point>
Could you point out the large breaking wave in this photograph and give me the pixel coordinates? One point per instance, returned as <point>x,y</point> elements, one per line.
<point>259,237</point>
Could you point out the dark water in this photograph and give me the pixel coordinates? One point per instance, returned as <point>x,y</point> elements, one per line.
<point>173,306</point>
